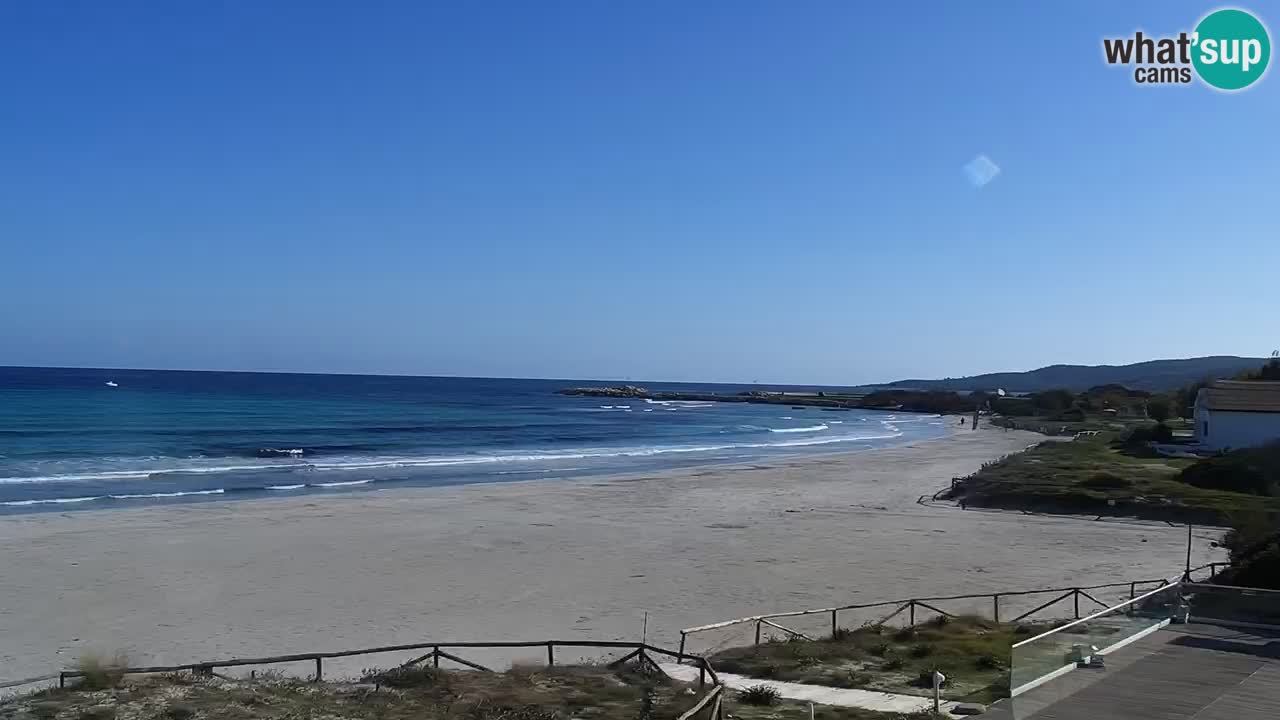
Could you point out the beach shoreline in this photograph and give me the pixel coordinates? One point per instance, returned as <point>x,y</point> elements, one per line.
<point>533,559</point>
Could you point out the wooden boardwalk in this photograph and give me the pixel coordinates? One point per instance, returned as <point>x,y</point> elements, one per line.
<point>1184,672</point>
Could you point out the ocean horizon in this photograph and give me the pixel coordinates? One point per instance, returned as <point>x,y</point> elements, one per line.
<point>88,438</point>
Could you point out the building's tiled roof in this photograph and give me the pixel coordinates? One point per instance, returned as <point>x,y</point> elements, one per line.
<point>1242,396</point>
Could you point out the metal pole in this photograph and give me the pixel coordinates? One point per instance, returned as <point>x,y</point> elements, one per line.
<point>551,654</point>
<point>912,613</point>
<point>1077,596</point>
<point>1186,576</point>
<point>995,607</point>
<point>757,632</point>
<point>319,670</point>
<point>835,630</point>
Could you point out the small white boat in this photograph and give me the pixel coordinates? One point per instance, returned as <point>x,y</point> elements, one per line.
<point>112,383</point>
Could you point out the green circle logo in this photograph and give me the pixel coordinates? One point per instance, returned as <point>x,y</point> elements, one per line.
<point>1232,49</point>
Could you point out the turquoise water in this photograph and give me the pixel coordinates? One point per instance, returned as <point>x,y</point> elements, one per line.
<point>81,439</point>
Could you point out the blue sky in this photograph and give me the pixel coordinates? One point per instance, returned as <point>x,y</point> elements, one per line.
<point>727,191</point>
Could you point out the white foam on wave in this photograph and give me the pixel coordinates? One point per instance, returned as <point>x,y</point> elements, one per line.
<point>17,503</point>
<point>148,472</point>
<point>786,417</point>
<point>681,403</point>
<point>380,463</point>
<point>811,428</point>
<point>139,496</point>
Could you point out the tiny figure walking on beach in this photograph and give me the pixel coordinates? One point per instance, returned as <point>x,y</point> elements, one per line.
<point>962,421</point>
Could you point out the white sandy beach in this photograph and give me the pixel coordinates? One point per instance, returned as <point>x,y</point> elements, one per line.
<point>581,558</point>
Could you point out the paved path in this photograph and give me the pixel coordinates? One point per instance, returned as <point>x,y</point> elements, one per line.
<point>818,694</point>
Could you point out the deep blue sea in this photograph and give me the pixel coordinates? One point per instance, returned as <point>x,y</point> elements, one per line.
<point>83,438</point>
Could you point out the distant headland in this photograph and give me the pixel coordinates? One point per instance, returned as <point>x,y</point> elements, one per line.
<point>822,399</point>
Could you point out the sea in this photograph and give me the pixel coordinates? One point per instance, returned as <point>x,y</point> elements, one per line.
<point>85,439</point>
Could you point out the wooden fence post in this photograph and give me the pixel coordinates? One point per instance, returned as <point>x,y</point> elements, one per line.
<point>435,656</point>
<point>319,671</point>
<point>757,632</point>
<point>683,636</point>
<point>551,654</point>
<point>835,630</point>
<point>995,607</point>
<point>1133,590</point>
<point>912,613</point>
<point>702,675</point>
<point>1077,598</point>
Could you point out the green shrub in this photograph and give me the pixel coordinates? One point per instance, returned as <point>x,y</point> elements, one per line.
<point>45,710</point>
<point>1252,470</point>
<point>1148,433</point>
<point>101,672</point>
<point>989,662</point>
<point>922,650</point>
<point>894,664</point>
<point>1106,481</point>
<point>759,695</point>
<point>407,677</point>
<point>179,712</point>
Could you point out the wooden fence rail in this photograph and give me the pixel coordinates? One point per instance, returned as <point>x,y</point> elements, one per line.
<point>437,651</point>
<point>909,606</point>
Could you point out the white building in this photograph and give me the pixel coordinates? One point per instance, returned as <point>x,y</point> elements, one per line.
<point>1238,413</point>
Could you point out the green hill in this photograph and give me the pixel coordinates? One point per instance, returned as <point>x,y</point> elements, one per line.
<point>1153,376</point>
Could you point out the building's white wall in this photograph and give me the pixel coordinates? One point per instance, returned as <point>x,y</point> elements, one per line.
<point>1236,429</point>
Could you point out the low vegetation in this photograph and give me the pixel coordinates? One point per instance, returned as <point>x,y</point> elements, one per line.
<point>421,693</point>
<point>759,695</point>
<point>417,694</point>
<point>1112,474</point>
<point>971,651</point>
<point>1253,471</point>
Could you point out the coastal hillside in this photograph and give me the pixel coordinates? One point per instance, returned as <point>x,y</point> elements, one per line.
<point>1153,376</point>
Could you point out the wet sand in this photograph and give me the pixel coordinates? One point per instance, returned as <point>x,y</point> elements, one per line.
<point>581,558</point>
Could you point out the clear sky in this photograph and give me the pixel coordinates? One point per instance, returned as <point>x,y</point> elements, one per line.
<point>666,189</point>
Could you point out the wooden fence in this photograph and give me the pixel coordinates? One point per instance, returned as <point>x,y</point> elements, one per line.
<point>910,608</point>
<point>639,651</point>
<point>708,707</point>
